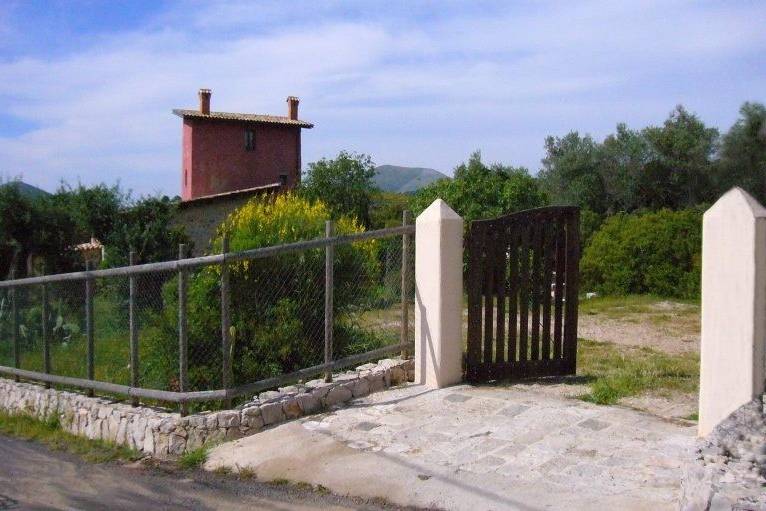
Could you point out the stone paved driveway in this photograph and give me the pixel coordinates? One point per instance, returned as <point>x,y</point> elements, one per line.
<point>476,448</point>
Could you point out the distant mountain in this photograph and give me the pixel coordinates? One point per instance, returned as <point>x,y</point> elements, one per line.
<point>27,190</point>
<point>393,178</point>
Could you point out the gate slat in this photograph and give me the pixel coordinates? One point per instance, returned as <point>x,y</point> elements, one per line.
<point>474,300</point>
<point>549,233</point>
<point>489,292</point>
<point>573,261</point>
<point>501,262</point>
<point>513,289</point>
<point>524,292</point>
<point>558,299</point>
<point>537,249</point>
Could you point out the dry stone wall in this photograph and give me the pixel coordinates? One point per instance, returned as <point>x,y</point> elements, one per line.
<point>729,471</point>
<point>164,434</point>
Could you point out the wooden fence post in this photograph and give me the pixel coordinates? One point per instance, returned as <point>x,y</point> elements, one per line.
<point>133,325</point>
<point>405,326</point>
<point>183,341</point>
<point>328,299</point>
<point>226,379</point>
<point>89,325</point>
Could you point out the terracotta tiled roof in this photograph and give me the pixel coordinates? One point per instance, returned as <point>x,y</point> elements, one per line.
<point>228,116</point>
<point>93,244</point>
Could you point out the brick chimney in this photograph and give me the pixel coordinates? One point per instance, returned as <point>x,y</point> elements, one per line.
<point>204,101</point>
<point>292,107</point>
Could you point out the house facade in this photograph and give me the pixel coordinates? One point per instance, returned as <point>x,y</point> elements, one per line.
<point>224,152</point>
<point>228,158</point>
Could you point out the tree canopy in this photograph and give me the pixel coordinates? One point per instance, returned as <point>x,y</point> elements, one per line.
<point>43,229</point>
<point>345,184</point>
<point>480,191</point>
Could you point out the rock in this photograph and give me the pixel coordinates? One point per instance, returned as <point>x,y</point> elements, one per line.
<point>269,395</point>
<point>321,389</point>
<point>228,419</point>
<point>197,421</point>
<point>338,394</point>
<point>148,445</point>
<point>308,403</point>
<point>252,418</point>
<point>291,408</point>
<point>176,445</point>
<point>361,388</point>
<point>292,389</point>
<point>195,440</point>
<point>388,363</point>
<point>376,381</point>
<point>398,376</point>
<point>272,413</point>
<point>167,426</point>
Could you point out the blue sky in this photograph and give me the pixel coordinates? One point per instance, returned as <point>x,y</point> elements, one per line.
<point>86,87</point>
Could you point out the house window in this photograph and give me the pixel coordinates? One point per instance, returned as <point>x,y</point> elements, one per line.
<point>249,139</point>
<point>283,179</point>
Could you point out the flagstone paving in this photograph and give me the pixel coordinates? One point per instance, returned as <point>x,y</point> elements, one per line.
<point>476,448</point>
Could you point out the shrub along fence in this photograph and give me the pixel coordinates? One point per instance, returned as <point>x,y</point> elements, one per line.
<point>216,327</point>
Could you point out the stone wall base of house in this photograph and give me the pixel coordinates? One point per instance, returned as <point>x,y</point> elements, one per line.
<point>163,434</point>
<point>729,469</point>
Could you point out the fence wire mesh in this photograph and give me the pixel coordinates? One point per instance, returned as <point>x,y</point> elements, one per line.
<point>276,317</point>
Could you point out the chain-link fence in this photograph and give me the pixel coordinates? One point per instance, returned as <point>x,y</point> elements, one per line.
<point>217,327</point>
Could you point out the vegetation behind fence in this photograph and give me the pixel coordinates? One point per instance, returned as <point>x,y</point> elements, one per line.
<point>214,327</point>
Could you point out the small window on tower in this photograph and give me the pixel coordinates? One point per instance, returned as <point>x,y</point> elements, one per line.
<point>283,179</point>
<point>249,140</point>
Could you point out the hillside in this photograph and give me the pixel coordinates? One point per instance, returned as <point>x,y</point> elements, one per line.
<point>393,178</point>
<point>29,191</point>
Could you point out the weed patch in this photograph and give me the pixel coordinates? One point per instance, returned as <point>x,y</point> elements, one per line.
<point>50,433</point>
<point>193,459</point>
<point>616,371</point>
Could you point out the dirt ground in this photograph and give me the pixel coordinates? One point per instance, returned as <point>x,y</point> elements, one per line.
<point>671,327</point>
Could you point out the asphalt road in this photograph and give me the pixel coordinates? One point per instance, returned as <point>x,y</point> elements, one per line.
<point>35,478</point>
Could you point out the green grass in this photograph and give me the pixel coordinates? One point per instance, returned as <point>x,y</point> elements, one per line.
<point>614,372</point>
<point>193,459</point>
<point>50,433</point>
<point>633,304</point>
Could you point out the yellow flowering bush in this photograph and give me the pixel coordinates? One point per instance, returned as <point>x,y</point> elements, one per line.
<point>277,302</point>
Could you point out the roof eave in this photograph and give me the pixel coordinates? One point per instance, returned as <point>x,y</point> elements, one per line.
<point>188,114</point>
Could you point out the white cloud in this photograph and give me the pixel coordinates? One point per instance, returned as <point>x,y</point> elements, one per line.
<point>406,90</point>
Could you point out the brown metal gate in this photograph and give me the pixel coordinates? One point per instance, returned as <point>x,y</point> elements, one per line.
<point>522,294</point>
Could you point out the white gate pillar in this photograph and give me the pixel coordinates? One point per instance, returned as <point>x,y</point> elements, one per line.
<point>438,296</point>
<point>733,344</point>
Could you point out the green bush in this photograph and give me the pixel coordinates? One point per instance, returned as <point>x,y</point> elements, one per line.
<point>656,253</point>
<point>277,302</point>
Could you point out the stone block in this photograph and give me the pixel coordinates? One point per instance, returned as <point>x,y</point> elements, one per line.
<point>398,375</point>
<point>252,418</point>
<point>176,445</point>
<point>291,408</point>
<point>308,403</point>
<point>337,395</point>
<point>361,388</point>
<point>269,396</point>
<point>228,419</point>
<point>322,389</point>
<point>272,413</point>
<point>376,381</point>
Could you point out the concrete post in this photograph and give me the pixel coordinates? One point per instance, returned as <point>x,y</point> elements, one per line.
<point>438,296</point>
<point>733,345</point>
